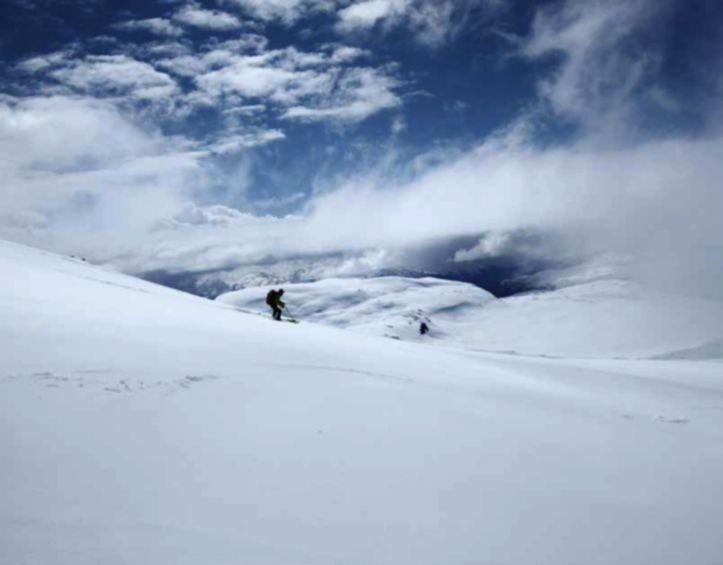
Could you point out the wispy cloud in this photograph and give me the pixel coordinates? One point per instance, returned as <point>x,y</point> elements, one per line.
<point>239,73</point>
<point>192,14</point>
<point>355,95</point>
<point>308,86</point>
<point>285,11</point>
<point>431,22</point>
<point>604,64</point>
<point>235,142</point>
<point>159,26</point>
<point>114,75</point>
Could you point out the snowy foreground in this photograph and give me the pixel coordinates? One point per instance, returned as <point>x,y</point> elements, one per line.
<point>144,426</point>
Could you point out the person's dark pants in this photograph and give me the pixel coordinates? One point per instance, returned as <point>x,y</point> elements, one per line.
<point>276,313</point>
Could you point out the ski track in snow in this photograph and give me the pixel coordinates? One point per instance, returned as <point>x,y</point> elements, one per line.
<point>105,381</point>
<point>379,376</point>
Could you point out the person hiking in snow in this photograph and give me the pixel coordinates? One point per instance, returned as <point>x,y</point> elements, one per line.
<point>273,299</point>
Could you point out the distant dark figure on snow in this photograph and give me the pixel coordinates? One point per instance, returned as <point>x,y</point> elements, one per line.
<point>273,299</point>
<point>423,328</point>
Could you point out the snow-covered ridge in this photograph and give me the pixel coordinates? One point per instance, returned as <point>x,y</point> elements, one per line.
<point>141,425</point>
<point>385,306</point>
<point>605,318</point>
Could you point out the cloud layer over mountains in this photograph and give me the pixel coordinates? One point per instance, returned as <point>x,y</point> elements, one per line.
<point>95,161</point>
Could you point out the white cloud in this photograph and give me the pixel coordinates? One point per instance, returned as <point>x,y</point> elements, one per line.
<point>602,70</point>
<point>309,86</point>
<point>217,55</point>
<point>347,54</point>
<point>358,94</point>
<point>242,72</point>
<point>367,13</point>
<point>89,179</point>
<point>432,22</point>
<point>170,48</point>
<point>184,65</point>
<point>236,142</point>
<point>194,15</point>
<point>275,202</point>
<point>44,62</point>
<point>252,78</point>
<point>399,124</point>
<point>245,110</point>
<point>216,215</point>
<point>286,11</point>
<point>79,175</point>
<point>116,75</point>
<point>659,202</point>
<point>491,245</point>
<point>157,26</point>
<point>63,132</point>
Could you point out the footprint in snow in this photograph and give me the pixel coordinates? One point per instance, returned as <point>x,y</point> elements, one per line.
<point>669,420</point>
<point>188,380</point>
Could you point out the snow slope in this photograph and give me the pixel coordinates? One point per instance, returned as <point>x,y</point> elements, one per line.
<point>144,426</point>
<point>384,306</point>
<point>604,318</point>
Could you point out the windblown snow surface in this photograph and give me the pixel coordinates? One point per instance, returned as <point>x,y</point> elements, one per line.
<point>144,426</point>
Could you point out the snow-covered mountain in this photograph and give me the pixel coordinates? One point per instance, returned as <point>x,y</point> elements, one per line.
<point>142,425</point>
<point>604,318</point>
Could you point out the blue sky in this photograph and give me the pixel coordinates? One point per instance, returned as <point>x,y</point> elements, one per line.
<point>351,135</point>
<point>445,90</point>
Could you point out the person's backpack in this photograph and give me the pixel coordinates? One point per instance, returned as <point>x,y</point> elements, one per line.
<point>271,298</point>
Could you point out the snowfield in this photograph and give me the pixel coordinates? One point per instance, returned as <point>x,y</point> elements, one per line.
<point>141,425</point>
